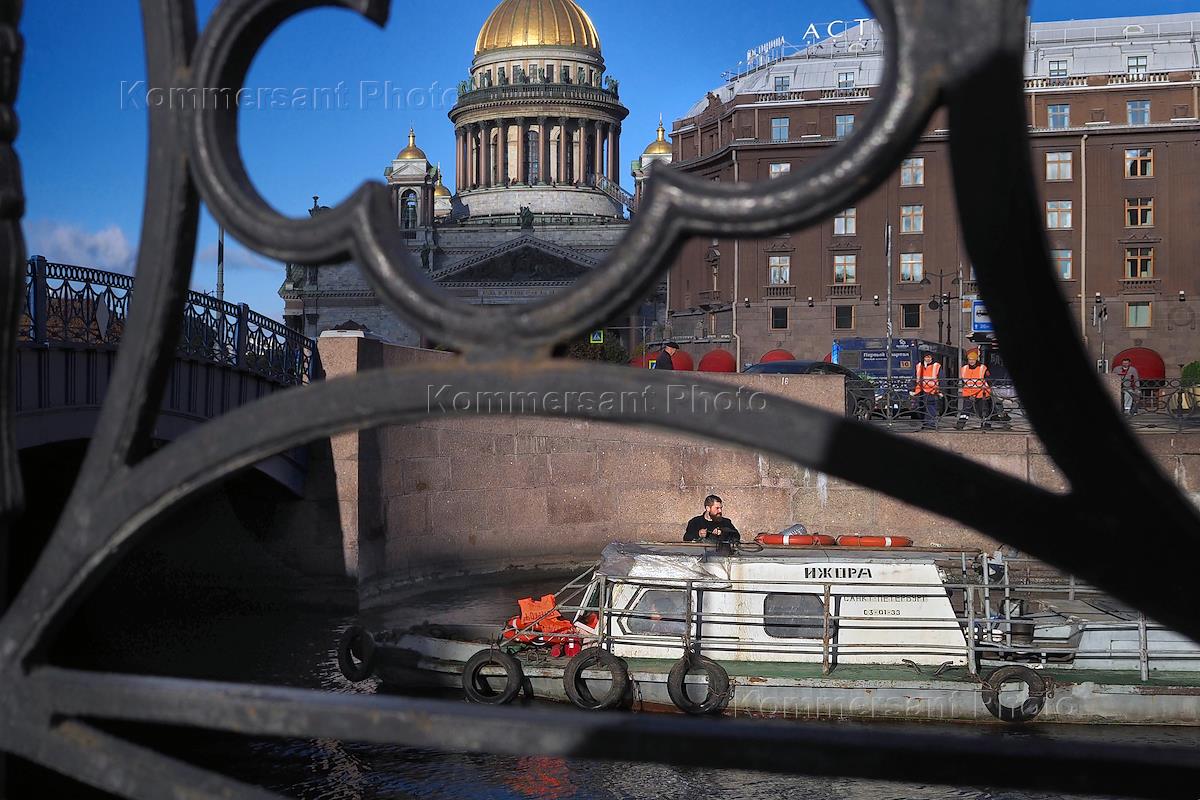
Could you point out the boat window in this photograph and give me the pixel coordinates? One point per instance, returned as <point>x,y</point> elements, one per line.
<point>794,616</point>
<point>664,610</point>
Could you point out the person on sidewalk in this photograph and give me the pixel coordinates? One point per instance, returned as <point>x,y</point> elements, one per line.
<point>928,389</point>
<point>664,359</point>
<point>976,391</point>
<point>1130,381</point>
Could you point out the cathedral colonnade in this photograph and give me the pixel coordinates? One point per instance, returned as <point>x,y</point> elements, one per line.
<point>535,150</point>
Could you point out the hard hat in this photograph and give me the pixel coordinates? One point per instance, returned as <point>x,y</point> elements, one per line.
<point>974,351</point>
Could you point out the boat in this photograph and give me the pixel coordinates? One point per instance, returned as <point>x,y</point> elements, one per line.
<point>810,627</point>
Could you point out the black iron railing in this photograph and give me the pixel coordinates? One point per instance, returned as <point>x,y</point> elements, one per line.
<point>67,304</point>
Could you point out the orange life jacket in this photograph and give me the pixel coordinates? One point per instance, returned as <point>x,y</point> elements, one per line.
<point>541,615</point>
<point>927,378</point>
<point>975,381</point>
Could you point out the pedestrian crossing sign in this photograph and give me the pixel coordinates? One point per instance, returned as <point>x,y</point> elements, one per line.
<point>597,337</point>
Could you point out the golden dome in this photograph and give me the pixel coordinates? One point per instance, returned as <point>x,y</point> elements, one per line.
<point>440,189</point>
<point>660,146</point>
<point>529,23</point>
<point>412,152</point>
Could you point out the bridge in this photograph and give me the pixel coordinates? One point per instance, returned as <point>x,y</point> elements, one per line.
<point>71,325</point>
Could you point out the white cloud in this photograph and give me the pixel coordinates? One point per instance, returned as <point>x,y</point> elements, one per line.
<point>65,243</point>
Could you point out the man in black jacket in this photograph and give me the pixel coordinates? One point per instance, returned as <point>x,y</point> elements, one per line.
<point>712,524</point>
<point>663,361</point>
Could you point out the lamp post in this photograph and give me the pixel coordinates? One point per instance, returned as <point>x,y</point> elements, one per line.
<point>940,300</point>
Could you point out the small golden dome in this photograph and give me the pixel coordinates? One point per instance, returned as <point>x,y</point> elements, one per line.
<point>412,152</point>
<point>440,190</point>
<point>530,23</point>
<point>660,146</point>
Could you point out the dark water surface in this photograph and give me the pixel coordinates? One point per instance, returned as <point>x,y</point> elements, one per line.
<point>226,638</point>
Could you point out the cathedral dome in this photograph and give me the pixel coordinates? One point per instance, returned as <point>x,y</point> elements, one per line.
<point>412,152</point>
<point>660,146</point>
<point>532,23</point>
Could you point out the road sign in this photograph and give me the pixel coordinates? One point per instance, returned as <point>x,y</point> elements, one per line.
<point>980,321</point>
<point>597,337</point>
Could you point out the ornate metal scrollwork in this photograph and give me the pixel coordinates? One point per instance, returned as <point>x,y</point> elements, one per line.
<point>963,53</point>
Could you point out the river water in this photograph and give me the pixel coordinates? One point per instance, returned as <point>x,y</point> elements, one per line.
<point>226,637</point>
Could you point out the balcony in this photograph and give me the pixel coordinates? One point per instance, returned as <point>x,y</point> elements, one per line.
<point>776,97</point>
<point>779,292</point>
<point>1055,83</point>
<point>1140,285</point>
<point>845,290</point>
<point>535,92</point>
<point>709,298</point>
<point>845,94</point>
<point>1137,78</point>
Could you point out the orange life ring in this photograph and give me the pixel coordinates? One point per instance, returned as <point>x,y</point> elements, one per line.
<point>795,540</point>
<point>874,541</point>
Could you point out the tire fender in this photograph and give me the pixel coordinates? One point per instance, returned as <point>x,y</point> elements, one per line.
<point>356,642</point>
<point>595,658</point>
<point>719,691</point>
<point>480,689</point>
<point>1014,673</point>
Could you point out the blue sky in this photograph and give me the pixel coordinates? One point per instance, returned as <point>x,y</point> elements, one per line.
<point>83,127</point>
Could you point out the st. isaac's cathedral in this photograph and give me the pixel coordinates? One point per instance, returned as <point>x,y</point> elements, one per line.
<point>537,200</point>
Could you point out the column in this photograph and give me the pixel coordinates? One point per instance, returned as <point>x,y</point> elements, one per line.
<point>563,177</point>
<point>615,156</point>
<point>612,162</point>
<point>485,139</point>
<point>598,150</point>
<point>581,160</point>
<point>544,151</point>
<point>522,142</point>
<point>457,159</point>
<point>502,147</point>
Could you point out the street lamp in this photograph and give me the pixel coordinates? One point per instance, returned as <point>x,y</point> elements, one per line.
<point>942,299</point>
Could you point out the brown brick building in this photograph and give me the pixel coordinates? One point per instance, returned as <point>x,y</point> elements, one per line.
<point>1116,149</point>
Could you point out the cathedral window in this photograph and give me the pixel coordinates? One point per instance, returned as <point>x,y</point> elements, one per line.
<point>408,210</point>
<point>532,162</point>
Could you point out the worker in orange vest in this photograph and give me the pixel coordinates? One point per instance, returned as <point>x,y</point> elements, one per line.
<point>928,389</point>
<point>976,391</point>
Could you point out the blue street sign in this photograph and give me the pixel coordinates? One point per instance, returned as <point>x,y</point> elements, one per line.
<point>980,321</point>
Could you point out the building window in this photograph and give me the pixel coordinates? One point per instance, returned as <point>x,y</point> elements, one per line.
<point>846,223</point>
<point>779,129</point>
<point>845,80</point>
<point>1139,262</point>
<point>1139,163</point>
<point>910,315</point>
<point>1058,166</point>
<point>531,157</point>
<point>780,169</point>
<point>408,210</point>
<point>912,267</point>
<point>1063,263</point>
<point>780,269</point>
<point>779,318</point>
<point>843,318</point>
<point>845,125</point>
<point>1059,116</point>
<point>1137,315</point>
<point>782,83</point>
<point>1139,212</point>
<point>1138,66</point>
<point>912,219</point>
<point>1058,214</point>
<point>912,171</point>
<point>1139,112</point>
<point>1058,69</point>
<point>845,268</point>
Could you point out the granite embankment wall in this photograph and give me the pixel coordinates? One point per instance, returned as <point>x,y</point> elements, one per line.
<point>457,494</point>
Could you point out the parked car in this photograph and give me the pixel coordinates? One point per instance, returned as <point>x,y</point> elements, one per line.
<point>861,391</point>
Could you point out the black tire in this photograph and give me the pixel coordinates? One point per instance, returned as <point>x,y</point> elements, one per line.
<point>577,688</point>
<point>357,643</point>
<point>1014,673</point>
<point>479,687</point>
<point>718,694</point>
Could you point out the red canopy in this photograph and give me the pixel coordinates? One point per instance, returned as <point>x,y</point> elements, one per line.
<point>1148,363</point>
<point>776,355</point>
<point>682,360</point>
<point>719,360</point>
<point>642,361</point>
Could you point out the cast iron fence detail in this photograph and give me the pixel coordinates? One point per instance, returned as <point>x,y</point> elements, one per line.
<point>66,304</point>
<point>966,55</point>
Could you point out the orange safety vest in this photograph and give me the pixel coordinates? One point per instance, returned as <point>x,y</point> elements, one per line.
<point>927,379</point>
<point>975,381</point>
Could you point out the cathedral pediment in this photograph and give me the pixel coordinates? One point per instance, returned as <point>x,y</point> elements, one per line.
<point>524,260</point>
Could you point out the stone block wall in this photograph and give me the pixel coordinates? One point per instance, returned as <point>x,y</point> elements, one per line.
<point>458,494</point>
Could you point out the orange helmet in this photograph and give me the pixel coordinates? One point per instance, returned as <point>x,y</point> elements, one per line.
<point>973,353</point>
